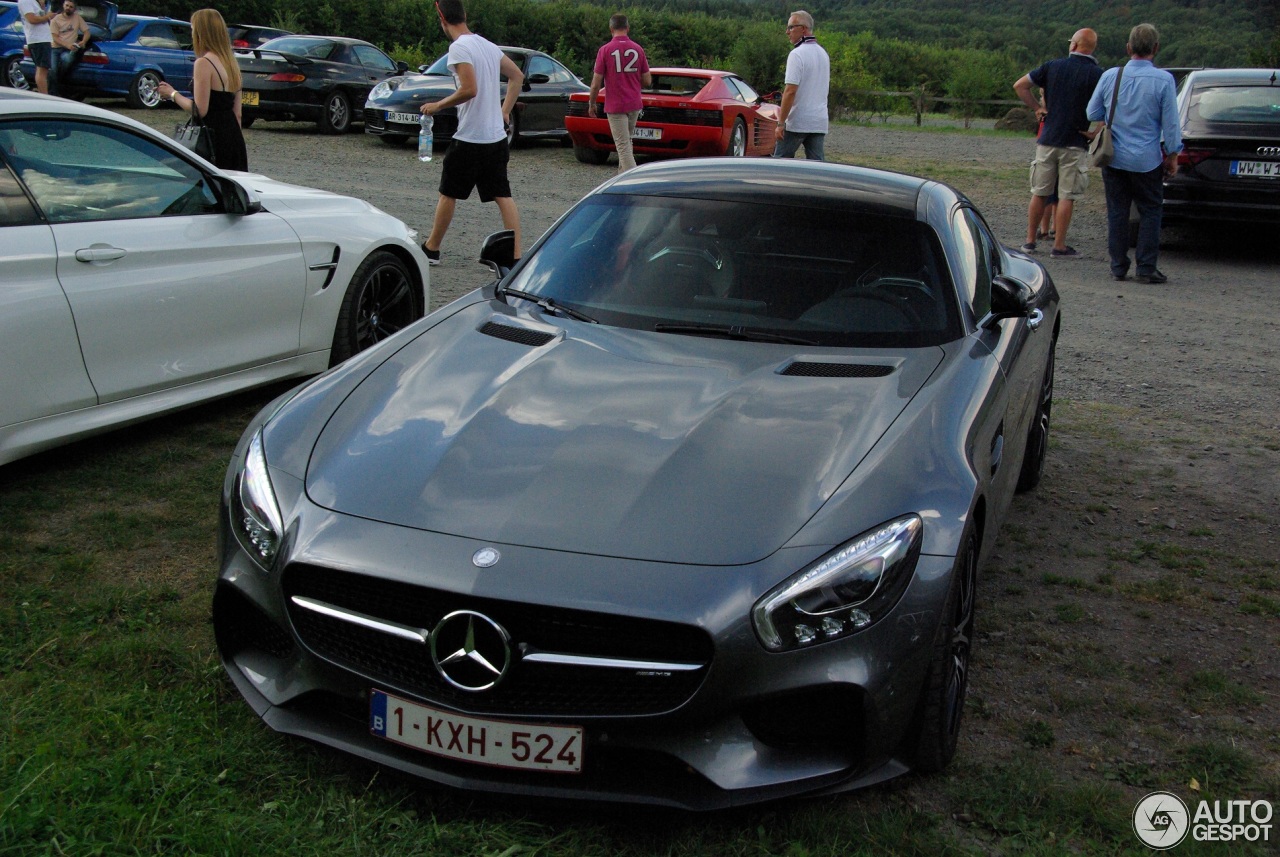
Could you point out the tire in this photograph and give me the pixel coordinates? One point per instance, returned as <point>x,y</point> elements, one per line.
<point>381,299</point>
<point>247,121</point>
<point>737,147</point>
<point>13,75</point>
<point>1038,436</point>
<point>588,155</point>
<point>936,725</point>
<point>335,116</point>
<point>144,90</point>
<point>395,139</point>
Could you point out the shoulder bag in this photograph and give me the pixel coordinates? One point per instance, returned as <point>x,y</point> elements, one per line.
<point>194,134</point>
<point>1102,149</point>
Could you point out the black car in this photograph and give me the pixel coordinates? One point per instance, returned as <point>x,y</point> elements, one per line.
<point>392,109</point>
<point>311,79</point>
<point>253,36</point>
<point>1229,167</point>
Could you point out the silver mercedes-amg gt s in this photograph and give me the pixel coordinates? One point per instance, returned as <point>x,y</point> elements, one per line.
<point>686,508</point>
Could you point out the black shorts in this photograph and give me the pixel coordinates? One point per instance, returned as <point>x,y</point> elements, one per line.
<point>41,54</point>
<point>482,166</point>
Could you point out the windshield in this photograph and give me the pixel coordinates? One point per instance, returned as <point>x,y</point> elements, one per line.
<point>1254,105</point>
<point>823,276</point>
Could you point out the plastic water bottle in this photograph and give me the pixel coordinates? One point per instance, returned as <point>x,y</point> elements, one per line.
<point>425,138</point>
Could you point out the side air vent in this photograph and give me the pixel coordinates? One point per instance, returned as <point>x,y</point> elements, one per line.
<point>837,370</point>
<point>520,335</point>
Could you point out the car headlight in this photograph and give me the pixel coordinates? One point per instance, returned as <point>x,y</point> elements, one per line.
<point>255,515</point>
<point>384,89</point>
<point>842,593</point>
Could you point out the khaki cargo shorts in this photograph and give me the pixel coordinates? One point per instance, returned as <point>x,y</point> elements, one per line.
<point>1062,168</point>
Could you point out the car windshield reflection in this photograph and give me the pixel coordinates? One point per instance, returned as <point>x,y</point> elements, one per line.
<point>783,273</point>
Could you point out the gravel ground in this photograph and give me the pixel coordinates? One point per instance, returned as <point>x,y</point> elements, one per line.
<point>1147,558</point>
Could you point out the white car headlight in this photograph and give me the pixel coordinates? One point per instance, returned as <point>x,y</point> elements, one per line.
<point>255,515</point>
<point>382,90</point>
<point>842,593</point>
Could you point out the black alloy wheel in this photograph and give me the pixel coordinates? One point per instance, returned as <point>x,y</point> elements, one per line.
<point>1038,436</point>
<point>381,300</point>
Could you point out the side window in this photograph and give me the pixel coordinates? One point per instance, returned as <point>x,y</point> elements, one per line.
<point>373,58</point>
<point>985,256</point>
<point>542,65</point>
<point>745,92</point>
<point>158,35</point>
<point>15,208</point>
<point>183,36</point>
<point>79,172</point>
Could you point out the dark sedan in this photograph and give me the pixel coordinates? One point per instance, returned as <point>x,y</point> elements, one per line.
<point>392,109</point>
<point>688,507</point>
<point>1229,167</point>
<point>321,79</point>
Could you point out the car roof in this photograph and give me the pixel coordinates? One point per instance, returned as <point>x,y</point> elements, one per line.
<point>342,40</point>
<point>692,72</point>
<point>788,182</point>
<point>1219,76</point>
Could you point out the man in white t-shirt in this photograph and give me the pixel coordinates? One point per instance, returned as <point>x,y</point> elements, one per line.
<point>803,117</point>
<point>36,16</point>
<point>477,157</point>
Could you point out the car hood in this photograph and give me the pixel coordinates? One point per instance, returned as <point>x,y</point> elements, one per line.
<point>419,87</point>
<point>604,441</point>
<point>278,196</point>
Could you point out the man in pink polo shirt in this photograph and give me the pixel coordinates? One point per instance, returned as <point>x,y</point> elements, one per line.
<point>623,69</point>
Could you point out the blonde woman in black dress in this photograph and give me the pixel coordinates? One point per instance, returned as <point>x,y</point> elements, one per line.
<point>215,91</point>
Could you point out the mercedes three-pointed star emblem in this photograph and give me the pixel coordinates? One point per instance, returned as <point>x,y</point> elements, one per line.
<point>471,651</point>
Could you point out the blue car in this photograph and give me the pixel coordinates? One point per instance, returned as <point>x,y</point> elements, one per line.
<point>132,60</point>
<point>12,41</point>
<point>100,15</point>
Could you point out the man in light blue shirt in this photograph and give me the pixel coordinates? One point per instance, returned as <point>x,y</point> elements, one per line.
<point>1147,140</point>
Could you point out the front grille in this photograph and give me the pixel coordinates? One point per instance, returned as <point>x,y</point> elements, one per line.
<point>836,370</point>
<point>530,689</point>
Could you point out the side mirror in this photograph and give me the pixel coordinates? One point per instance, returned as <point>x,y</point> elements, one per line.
<point>498,252</point>
<point>236,199</point>
<point>1009,299</point>
<point>536,78</point>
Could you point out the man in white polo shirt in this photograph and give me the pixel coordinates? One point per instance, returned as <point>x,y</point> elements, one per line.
<point>803,118</point>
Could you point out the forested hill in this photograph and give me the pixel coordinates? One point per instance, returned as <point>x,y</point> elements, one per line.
<point>1193,32</point>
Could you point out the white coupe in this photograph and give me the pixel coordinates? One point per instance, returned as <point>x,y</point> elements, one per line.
<point>136,278</point>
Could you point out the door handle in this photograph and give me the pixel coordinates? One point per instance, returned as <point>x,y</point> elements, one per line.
<point>99,253</point>
<point>1035,319</point>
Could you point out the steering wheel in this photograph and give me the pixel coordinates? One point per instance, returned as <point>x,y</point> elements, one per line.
<point>900,304</point>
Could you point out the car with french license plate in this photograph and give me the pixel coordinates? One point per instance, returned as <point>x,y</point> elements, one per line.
<point>1229,166</point>
<point>391,111</point>
<point>321,79</point>
<point>687,112</point>
<point>137,278</point>
<point>686,507</point>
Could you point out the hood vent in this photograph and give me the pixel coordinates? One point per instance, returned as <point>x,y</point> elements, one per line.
<point>836,370</point>
<point>519,335</point>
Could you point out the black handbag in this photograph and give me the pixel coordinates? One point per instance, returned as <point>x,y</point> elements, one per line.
<point>196,136</point>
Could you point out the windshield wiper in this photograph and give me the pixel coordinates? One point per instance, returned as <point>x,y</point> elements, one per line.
<point>726,331</point>
<point>549,305</point>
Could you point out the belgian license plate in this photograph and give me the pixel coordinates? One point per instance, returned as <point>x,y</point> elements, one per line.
<point>404,118</point>
<point>248,96</point>
<point>525,746</point>
<point>1256,169</point>
<point>647,134</point>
